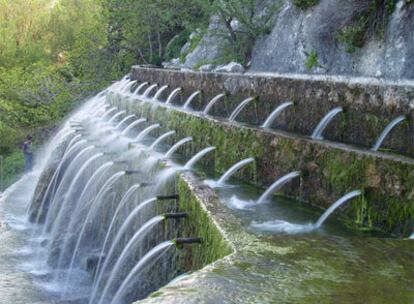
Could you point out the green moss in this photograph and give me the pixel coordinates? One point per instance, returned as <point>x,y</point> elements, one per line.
<point>199,224</point>
<point>328,172</point>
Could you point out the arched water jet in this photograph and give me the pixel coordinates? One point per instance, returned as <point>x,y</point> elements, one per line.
<point>239,108</point>
<point>387,130</point>
<point>136,238</point>
<point>62,212</point>
<point>161,138</point>
<point>109,183</point>
<point>149,90</point>
<point>335,205</point>
<point>230,172</point>
<point>132,125</point>
<point>197,157</point>
<point>277,185</point>
<point>317,133</point>
<point>147,261</point>
<point>131,217</point>
<point>138,89</point>
<point>191,98</point>
<point>51,188</point>
<point>172,95</point>
<point>159,92</point>
<point>113,118</point>
<point>125,120</point>
<point>272,117</point>
<point>63,192</point>
<point>146,131</point>
<point>94,181</point>
<point>108,112</point>
<point>212,103</point>
<point>129,86</point>
<point>177,146</point>
<point>59,195</point>
<point>121,205</point>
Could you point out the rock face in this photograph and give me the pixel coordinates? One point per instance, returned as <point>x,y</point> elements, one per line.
<point>209,48</point>
<point>297,33</point>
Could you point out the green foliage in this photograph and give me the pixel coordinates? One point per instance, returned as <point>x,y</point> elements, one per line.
<point>13,166</point>
<point>305,4</point>
<point>369,22</point>
<point>254,18</point>
<point>352,36</point>
<point>312,61</point>
<point>173,48</point>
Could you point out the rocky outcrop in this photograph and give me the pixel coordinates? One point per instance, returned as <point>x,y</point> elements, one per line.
<point>298,33</point>
<point>300,36</point>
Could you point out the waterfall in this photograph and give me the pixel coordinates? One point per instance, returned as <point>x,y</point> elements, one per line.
<point>386,131</point>
<point>239,108</point>
<point>272,117</point>
<point>212,102</point>
<point>277,185</point>
<point>190,99</point>
<point>317,133</point>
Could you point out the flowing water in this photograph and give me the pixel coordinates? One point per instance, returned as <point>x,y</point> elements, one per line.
<point>100,234</point>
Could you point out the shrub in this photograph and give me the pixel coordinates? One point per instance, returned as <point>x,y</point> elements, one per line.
<point>304,4</point>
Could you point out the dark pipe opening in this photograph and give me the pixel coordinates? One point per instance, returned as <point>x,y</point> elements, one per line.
<point>146,184</point>
<point>167,197</point>
<point>189,240</point>
<point>175,215</point>
<point>131,172</point>
<point>121,162</point>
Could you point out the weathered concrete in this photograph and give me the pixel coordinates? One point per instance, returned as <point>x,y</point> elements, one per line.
<point>369,105</point>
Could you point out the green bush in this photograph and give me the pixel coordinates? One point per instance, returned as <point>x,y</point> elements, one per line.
<point>305,4</point>
<point>370,22</point>
<point>13,166</point>
<point>312,61</point>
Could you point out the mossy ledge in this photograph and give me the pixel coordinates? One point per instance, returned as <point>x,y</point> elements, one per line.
<point>328,169</point>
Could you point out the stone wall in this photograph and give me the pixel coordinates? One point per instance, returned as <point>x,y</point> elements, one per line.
<point>328,169</point>
<point>369,105</point>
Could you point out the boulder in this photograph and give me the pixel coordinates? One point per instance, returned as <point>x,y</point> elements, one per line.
<point>232,67</point>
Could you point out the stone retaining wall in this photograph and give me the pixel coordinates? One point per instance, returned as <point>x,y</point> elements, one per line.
<point>368,106</point>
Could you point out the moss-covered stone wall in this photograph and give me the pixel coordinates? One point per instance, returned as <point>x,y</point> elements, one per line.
<point>200,223</point>
<point>328,169</point>
<point>369,105</point>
